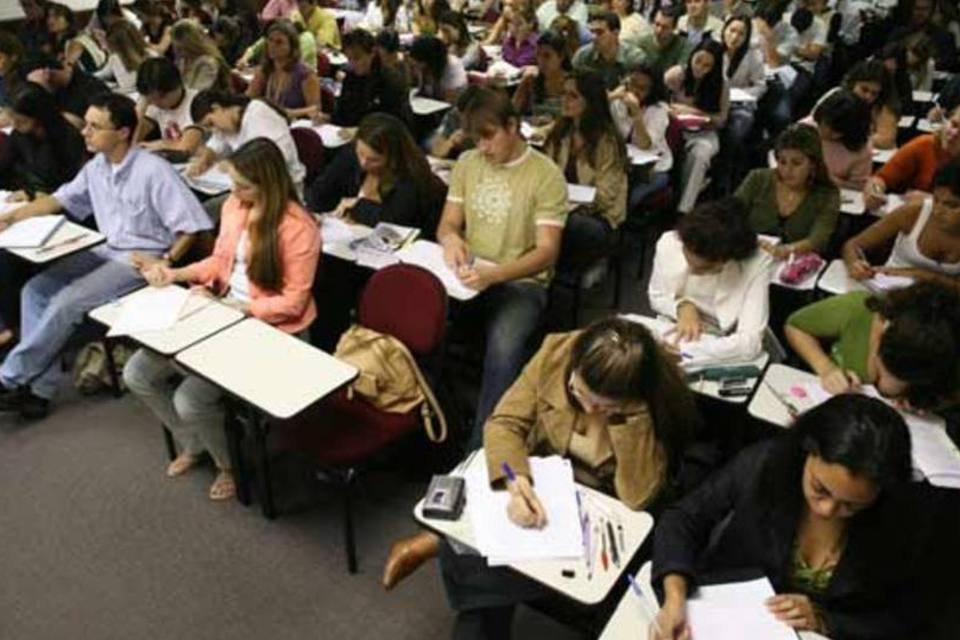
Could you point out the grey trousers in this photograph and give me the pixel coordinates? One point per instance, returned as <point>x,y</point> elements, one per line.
<point>193,410</point>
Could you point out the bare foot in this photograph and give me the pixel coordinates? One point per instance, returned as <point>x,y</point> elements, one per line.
<point>223,488</point>
<point>181,464</point>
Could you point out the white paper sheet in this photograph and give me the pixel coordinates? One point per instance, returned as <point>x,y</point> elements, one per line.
<point>882,156</point>
<point>30,233</point>
<point>213,182</point>
<point>331,135</point>
<point>906,121</point>
<point>735,611</point>
<point>502,541</point>
<point>334,230</point>
<point>581,193</point>
<point>639,156</point>
<point>886,282</point>
<point>422,106</point>
<point>429,255</point>
<point>923,96</point>
<point>152,309</point>
<point>741,95</point>
<point>661,327</point>
<point>503,69</point>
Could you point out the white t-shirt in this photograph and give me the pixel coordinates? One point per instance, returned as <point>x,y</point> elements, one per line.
<point>260,120</point>
<point>656,120</point>
<point>815,33</point>
<point>173,122</point>
<point>239,281</point>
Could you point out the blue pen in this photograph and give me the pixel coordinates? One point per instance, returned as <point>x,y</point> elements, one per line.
<point>643,604</point>
<point>511,476</point>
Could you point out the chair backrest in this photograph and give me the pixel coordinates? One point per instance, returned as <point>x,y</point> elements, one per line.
<point>238,84</point>
<point>408,303</point>
<point>328,100</point>
<point>310,150</point>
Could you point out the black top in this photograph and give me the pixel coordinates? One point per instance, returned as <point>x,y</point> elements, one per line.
<point>384,90</point>
<point>407,204</point>
<point>44,164</point>
<point>886,582</point>
<point>75,97</point>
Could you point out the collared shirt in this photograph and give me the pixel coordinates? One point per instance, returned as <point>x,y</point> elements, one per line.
<point>713,26</point>
<point>675,53</point>
<point>548,12</point>
<point>588,58</point>
<point>140,204</point>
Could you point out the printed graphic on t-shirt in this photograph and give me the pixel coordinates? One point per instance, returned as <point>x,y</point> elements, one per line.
<point>491,200</point>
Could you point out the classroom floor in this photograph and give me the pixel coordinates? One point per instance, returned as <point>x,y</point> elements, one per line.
<point>97,543</point>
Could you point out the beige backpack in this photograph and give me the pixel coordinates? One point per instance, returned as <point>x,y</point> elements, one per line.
<point>389,377</point>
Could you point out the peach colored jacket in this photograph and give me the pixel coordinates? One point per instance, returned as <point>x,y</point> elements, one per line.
<point>292,309</point>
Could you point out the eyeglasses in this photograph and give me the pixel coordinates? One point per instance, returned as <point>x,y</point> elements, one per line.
<point>97,128</point>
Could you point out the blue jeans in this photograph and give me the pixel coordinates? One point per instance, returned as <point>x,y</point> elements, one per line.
<point>642,190</point>
<point>511,313</point>
<point>586,239</point>
<point>734,160</point>
<point>53,304</point>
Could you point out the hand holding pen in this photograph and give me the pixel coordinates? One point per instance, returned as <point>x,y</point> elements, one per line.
<point>524,508</point>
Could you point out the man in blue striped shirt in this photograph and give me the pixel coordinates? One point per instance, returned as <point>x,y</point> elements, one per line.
<point>146,212</point>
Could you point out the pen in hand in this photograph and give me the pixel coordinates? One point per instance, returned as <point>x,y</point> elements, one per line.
<point>524,507</point>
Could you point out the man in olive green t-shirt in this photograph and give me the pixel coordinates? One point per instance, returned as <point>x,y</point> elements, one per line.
<point>507,204</point>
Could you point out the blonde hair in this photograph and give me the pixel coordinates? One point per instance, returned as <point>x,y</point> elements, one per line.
<point>190,42</point>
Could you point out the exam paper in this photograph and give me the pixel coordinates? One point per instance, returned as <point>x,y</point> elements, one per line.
<point>639,156</point>
<point>30,233</point>
<point>213,182</point>
<point>429,255</point>
<point>151,309</point>
<point>735,611</point>
<point>741,95</point>
<point>886,282</point>
<point>502,541</point>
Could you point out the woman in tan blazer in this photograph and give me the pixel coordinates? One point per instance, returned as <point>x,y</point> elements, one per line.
<point>609,399</point>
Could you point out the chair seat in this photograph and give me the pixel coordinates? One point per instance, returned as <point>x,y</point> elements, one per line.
<point>342,432</point>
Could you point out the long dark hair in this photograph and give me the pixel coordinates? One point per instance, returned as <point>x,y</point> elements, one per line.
<point>260,161</point>
<point>204,102</point>
<point>862,434</point>
<point>621,360</point>
<point>558,42</point>
<point>848,115</point>
<point>432,53</point>
<point>388,136</point>
<point>740,53</point>
<point>595,124</point>
<point>875,71</point>
<point>706,93</point>
<point>657,92</point>
<point>921,344</point>
<point>33,101</point>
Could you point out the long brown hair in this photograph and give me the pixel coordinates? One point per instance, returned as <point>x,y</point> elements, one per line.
<point>128,43</point>
<point>261,162</point>
<point>388,136</point>
<point>289,31</point>
<point>621,360</point>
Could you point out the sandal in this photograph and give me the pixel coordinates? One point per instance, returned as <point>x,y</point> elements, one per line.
<point>223,488</point>
<point>181,464</point>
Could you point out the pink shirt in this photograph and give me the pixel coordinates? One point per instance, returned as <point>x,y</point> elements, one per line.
<point>276,9</point>
<point>290,309</point>
<point>848,169</point>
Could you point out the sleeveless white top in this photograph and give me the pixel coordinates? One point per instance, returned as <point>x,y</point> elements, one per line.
<point>906,251</point>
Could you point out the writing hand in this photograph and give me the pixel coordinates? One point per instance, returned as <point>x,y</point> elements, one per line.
<point>860,270</point>
<point>688,327</point>
<point>795,610</point>
<point>672,620</point>
<point>837,380</point>
<point>478,277</point>
<point>525,508</point>
<point>455,253</point>
<point>157,275</point>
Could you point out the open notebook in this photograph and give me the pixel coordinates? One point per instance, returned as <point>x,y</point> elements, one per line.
<point>30,233</point>
<point>429,255</point>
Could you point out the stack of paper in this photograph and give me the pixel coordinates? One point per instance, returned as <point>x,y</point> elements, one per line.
<point>151,309</point>
<point>736,611</point>
<point>639,156</point>
<point>429,255</point>
<point>662,329</point>
<point>30,233</point>
<point>502,541</point>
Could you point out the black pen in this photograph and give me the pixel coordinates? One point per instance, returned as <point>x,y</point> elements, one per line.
<point>614,554</point>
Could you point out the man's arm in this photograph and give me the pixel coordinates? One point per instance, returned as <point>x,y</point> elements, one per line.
<point>541,257</point>
<point>450,235</point>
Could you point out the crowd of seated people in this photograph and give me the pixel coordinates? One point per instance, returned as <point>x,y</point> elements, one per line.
<point>733,132</point>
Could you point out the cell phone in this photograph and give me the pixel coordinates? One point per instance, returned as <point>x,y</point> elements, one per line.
<point>733,383</point>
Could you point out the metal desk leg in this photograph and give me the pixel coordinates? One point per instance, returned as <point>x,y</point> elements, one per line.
<point>234,440</point>
<point>260,428</point>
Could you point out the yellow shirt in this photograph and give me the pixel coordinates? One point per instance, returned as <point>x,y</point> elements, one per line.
<point>323,25</point>
<point>504,204</point>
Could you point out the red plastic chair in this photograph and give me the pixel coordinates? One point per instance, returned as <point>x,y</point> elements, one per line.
<point>310,150</point>
<point>404,301</point>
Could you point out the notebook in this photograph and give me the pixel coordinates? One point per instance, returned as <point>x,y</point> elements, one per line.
<point>581,193</point>
<point>150,309</point>
<point>429,255</point>
<point>31,233</point>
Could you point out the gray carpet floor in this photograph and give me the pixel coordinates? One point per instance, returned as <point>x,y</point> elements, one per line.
<point>97,543</point>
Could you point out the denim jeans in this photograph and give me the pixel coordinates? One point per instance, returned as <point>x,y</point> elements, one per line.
<point>192,410</point>
<point>734,159</point>
<point>586,238</point>
<point>642,190</point>
<point>53,304</point>
<point>511,313</point>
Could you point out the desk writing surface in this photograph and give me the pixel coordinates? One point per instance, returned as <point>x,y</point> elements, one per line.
<point>275,372</point>
<point>200,319</point>
<point>765,405</point>
<point>836,281</point>
<point>637,526</point>
<point>79,237</point>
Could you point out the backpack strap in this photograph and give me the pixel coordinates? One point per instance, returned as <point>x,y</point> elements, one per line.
<point>431,405</point>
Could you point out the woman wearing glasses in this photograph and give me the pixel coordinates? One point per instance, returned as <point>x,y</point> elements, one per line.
<point>609,399</point>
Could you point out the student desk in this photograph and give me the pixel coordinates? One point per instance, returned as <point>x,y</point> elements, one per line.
<point>637,525</point>
<point>711,388</point>
<point>271,372</point>
<point>767,407</point>
<point>629,623</point>
<point>423,106</point>
<point>836,281</point>
<point>68,239</point>
<point>200,319</point>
